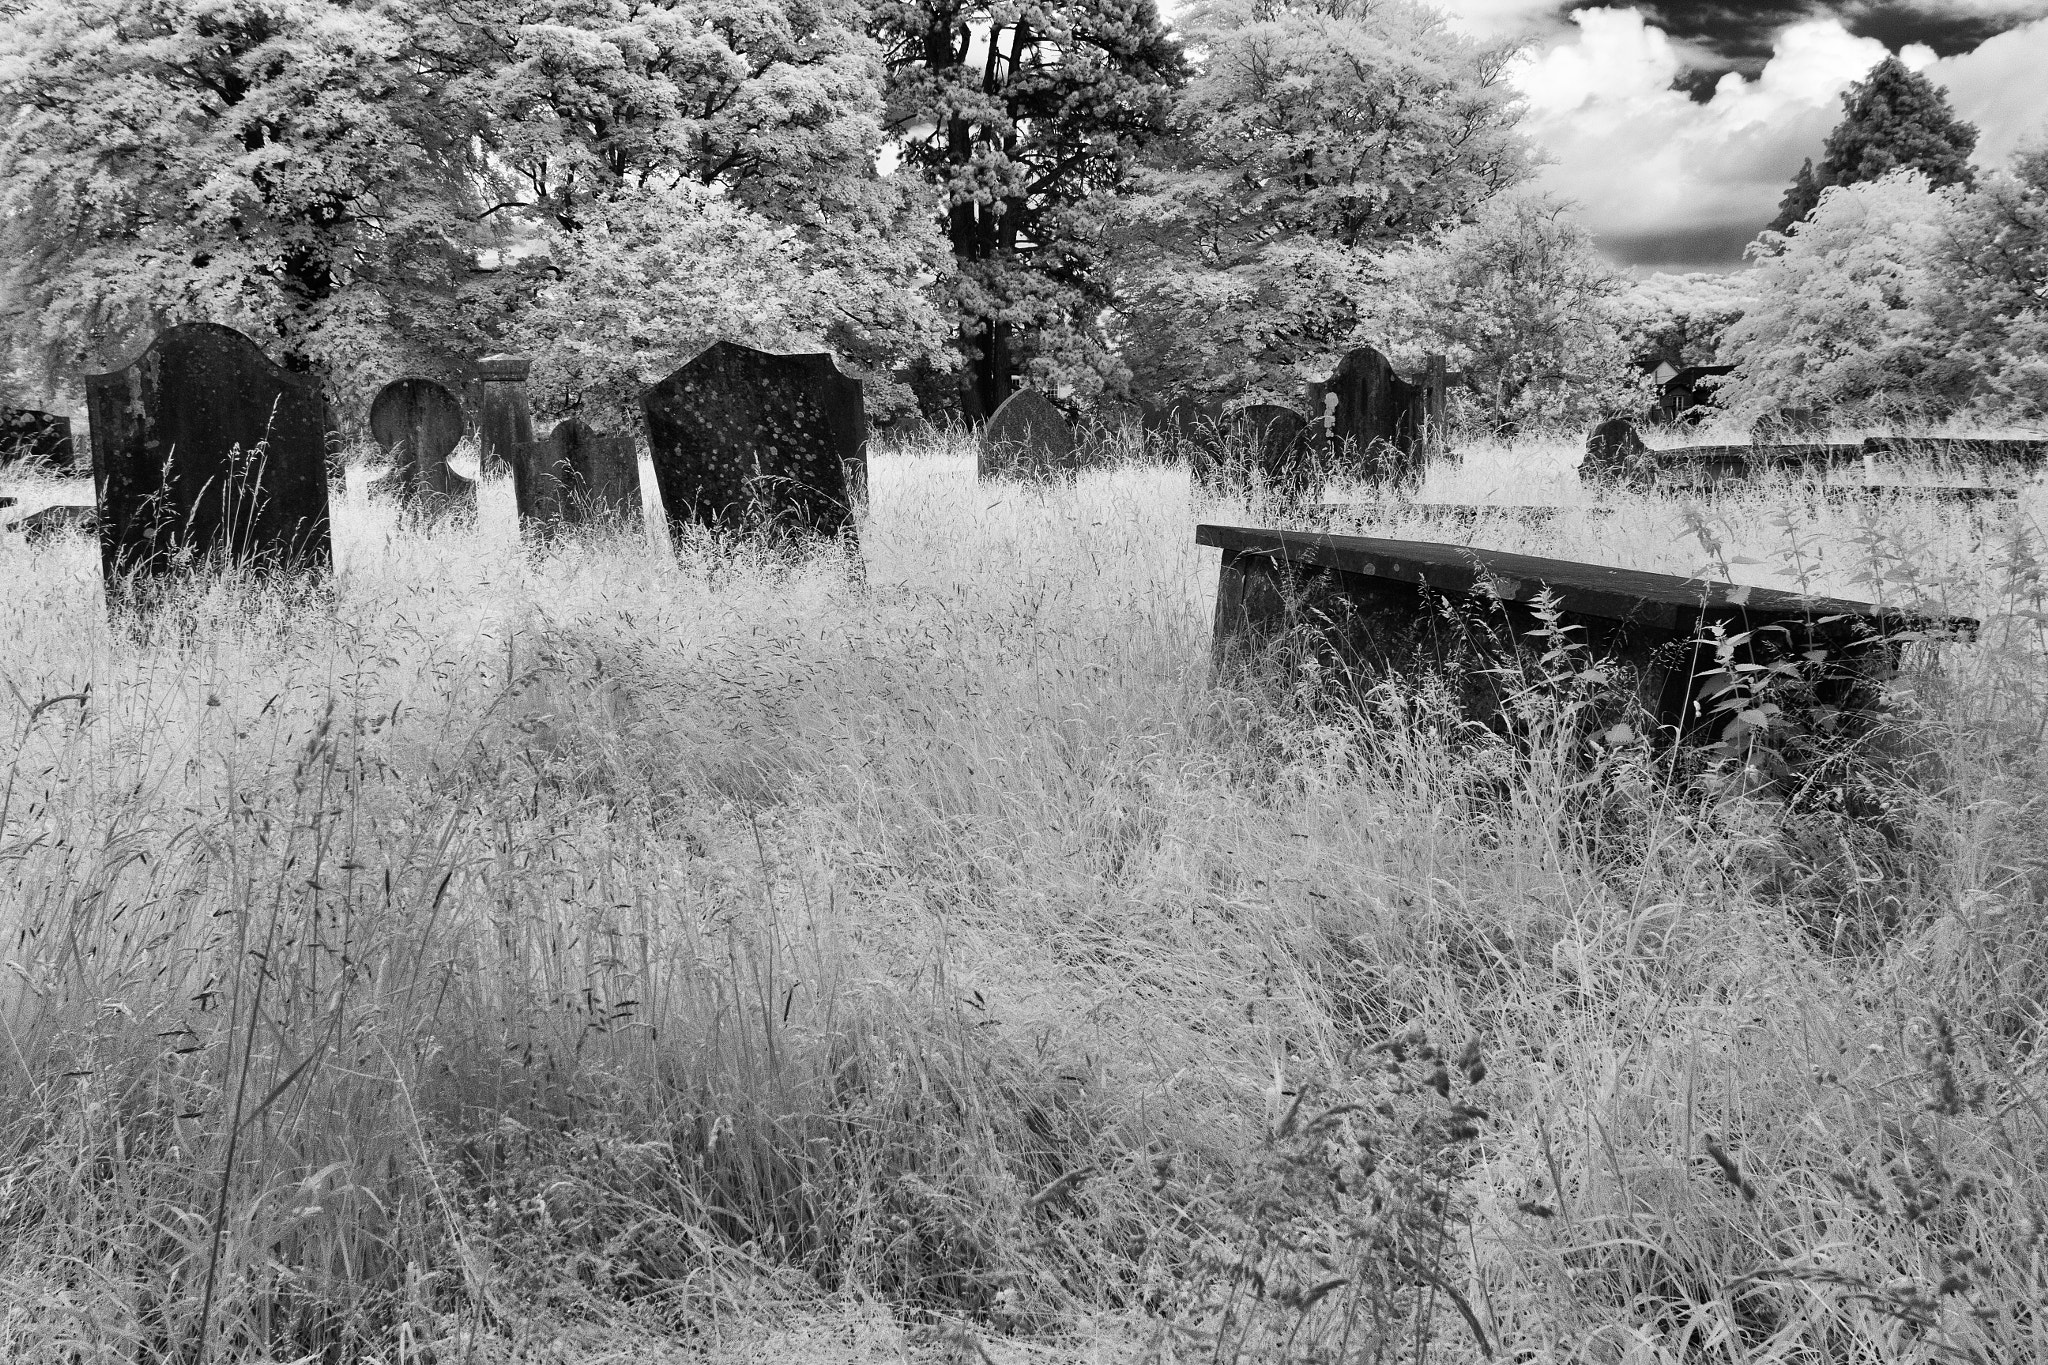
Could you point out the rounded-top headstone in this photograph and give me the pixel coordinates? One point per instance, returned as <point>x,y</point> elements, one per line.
<point>1027,438</point>
<point>418,423</point>
<point>577,476</point>
<point>205,451</point>
<point>1615,453</point>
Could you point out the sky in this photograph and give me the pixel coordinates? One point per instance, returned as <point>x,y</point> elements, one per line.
<point>1677,126</point>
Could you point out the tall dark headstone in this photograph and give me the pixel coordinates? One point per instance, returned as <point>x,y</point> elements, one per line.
<point>1615,453</point>
<point>418,423</point>
<point>745,438</point>
<point>504,413</point>
<point>1365,418</point>
<point>43,437</point>
<point>576,477</point>
<point>205,452</point>
<point>1028,438</point>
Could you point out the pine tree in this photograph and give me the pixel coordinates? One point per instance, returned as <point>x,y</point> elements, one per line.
<point>1800,200</point>
<point>1028,119</point>
<point>1893,119</point>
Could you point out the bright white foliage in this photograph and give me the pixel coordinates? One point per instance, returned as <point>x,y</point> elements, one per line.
<point>1842,322</point>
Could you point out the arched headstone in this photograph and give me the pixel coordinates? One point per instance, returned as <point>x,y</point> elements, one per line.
<point>206,452</point>
<point>1615,453</point>
<point>504,413</point>
<point>1367,418</point>
<point>418,423</point>
<point>1027,438</point>
<point>43,437</point>
<point>576,477</point>
<point>745,438</point>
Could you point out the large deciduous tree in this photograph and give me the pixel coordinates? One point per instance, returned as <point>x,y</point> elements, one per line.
<point>1844,315</point>
<point>1893,119</point>
<point>1991,287</point>
<point>1027,118</point>
<point>1523,303</point>
<point>1313,134</point>
<point>696,168</point>
<point>280,166</point>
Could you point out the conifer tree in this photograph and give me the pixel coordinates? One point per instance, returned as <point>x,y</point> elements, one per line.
<point>1893,119</point>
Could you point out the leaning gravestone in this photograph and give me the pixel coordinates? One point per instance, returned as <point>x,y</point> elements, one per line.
<point>576,477</point>
<point>1027,438</point>
<point>207,453</point>
<point>748,439</point>
<point>43,437</point>
<point>418,423</point>
<point>1365,417</point>
<point>505,414</point>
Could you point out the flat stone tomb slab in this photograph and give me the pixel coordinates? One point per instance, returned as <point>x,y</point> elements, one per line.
<point>206,453</point>
<point>576,477</point>
<point>1027,438</point>
<point>749,439</point>
<point>1375,605</point>
<point>417,423</point>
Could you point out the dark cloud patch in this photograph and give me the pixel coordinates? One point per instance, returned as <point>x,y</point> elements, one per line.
<point>1694,248</point>
<point>1739,37</point>
<point>1948,34</point>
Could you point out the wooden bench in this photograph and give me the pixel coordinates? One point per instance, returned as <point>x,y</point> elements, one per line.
<point>1367,606</point>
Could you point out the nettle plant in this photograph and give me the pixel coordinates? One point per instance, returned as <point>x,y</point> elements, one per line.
<point>1340,1238</point>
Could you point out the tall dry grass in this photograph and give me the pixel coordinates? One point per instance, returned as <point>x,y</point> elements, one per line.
<point>630,948</point>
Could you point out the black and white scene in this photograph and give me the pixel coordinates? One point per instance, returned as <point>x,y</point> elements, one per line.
<point>1023,682</point>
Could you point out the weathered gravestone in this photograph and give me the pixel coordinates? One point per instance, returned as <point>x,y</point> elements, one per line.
<point>1264,440</point>
<point>504,413</point>
<point>748,439</point>
<point>576,477</point>
<point>1028,438</point>
<point>418,423</point>
<point>1616,453</point>
<point>207,453</point>
<point>43,437</point>
<point>1367,419</point>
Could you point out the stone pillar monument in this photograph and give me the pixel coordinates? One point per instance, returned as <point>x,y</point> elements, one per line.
<point>504,417</point>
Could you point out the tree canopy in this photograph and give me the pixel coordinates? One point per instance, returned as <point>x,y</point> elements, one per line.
<point>1893,119</point>
<point>1311,135</point>
<point>1027,120</point>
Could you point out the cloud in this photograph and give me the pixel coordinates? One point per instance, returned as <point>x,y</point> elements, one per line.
<point>2002,87</point>
<point>1642,158</point>
<point>1665,179</point>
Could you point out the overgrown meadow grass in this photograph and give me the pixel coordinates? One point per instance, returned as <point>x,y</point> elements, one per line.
<point>635,952</point>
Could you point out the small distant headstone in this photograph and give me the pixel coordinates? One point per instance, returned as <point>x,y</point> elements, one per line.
<point>205,452</point>
<point>46,523</point>
<point>1274,440</point>
<point>1368,418</point>
<point>43,437</point>
<point>418,423</point>
<point>1615,453</point>
<point>750,439</point>
<point>505,415</point>
<point>1027,438</point>
<point>576,477</point>
<point>911,429</point>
